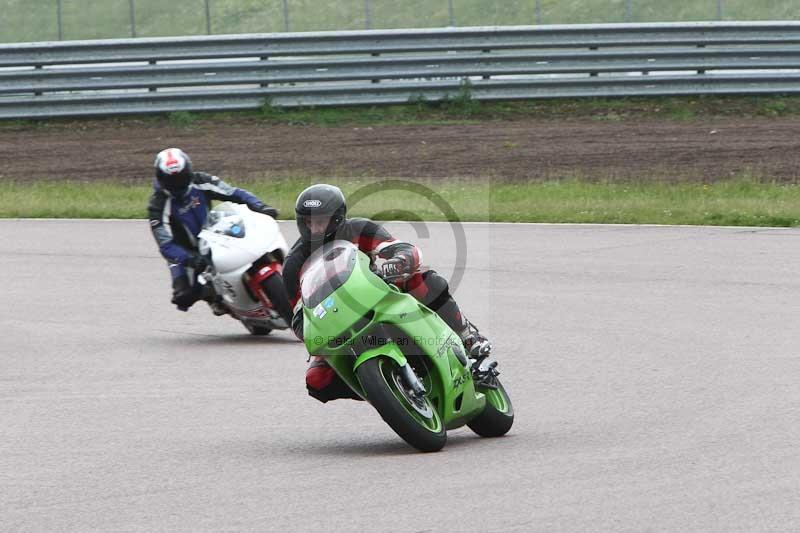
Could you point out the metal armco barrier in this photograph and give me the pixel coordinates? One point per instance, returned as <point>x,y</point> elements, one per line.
<point>83,78</point>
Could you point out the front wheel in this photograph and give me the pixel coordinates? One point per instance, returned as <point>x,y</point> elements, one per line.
<point>275,290</point>
<point>498,415</point>
<point>257,330</point>
<point>414,419</point>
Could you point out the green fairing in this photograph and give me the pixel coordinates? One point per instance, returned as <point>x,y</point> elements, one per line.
<point>390,349</point>
<point>349,333</point>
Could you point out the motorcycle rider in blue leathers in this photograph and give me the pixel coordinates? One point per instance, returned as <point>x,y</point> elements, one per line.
<point>178,210</point>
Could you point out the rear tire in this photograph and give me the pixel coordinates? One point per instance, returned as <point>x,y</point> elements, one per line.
<point>498,415</point>
<point>378,378</point>
<point>276,292</point>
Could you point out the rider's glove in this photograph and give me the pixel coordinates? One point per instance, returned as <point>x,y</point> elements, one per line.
<point>264,209</point>
<point>397,267</point>
<point>403,262</point>
<point>197,262</point>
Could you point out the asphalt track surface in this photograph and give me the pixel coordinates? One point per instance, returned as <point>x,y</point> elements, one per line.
<point>654,370</point>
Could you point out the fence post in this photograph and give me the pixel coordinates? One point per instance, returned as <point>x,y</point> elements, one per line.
<point>132,6</point>
<point>208,17</point>
<point>367,21</point>
<point>451,14</point>
<point>285,15</point>
<point>58,19</point>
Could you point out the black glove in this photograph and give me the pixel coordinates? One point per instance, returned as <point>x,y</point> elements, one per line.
<point>264,209</point>
<point>197,262</point>
<point>396,268</point>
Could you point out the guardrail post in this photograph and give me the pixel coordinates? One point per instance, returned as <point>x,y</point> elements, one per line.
<point>132,7</point>
<point>265,59</point>
<point>485,77</point>
<point>701,71</point>
<point>451,14</point>
<point>593,74</point>
<point>152,89</point>
<point>375,80</point>
<point>538,12</point>
<point>37,93</point>
<point>367,21</point>
<point>286,15</point>
<point>208,17</point>
<point>719,9</point>
<point>627,10</point>
<point>58,17</point>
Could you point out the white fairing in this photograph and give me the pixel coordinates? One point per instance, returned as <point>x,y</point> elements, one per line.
<point>235,237</point>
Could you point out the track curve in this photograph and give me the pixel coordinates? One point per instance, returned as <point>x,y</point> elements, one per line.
<point>654,373</point>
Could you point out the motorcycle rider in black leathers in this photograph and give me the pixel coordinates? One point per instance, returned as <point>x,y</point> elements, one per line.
<point>321,217</point>
<point>178,210</point>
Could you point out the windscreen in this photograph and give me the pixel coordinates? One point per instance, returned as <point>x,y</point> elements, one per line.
<point>224,220</point>
<point>326,270</point>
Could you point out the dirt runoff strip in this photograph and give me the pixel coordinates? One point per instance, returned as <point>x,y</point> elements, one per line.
<point>122,150</point>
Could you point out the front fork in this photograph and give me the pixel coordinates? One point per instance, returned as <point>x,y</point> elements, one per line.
<point>392,351</point>
<point>412,380</point>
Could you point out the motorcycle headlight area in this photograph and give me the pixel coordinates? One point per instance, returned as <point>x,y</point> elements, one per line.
<point>232,226</point>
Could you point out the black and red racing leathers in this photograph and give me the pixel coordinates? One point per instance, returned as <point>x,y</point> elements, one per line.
<point>374,240</point>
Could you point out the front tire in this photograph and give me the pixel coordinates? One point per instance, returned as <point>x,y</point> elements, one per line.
<point>416,422</point>
<point>257,330</point>
<point>275,290</point>
<point>498,415</point>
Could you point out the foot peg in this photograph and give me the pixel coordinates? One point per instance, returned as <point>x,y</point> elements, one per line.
<point>484,372</point>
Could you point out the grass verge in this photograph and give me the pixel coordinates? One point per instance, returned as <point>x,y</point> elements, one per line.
<point>744,201</point>
<point>26,20</point>
<point>460,108</point>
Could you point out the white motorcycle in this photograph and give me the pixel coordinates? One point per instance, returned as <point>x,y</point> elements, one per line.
<point>247,251</point>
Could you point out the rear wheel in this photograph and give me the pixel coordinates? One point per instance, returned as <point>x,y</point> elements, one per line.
<point>276,292</point>
<point>413,418</point>
<point>498,415</point>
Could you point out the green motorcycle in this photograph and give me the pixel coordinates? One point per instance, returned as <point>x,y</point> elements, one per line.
<point>396,353</point>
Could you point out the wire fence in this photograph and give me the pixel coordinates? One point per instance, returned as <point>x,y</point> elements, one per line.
<point>45,20</point>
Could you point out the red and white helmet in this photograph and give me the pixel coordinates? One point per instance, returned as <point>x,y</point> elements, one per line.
<point>173,169</point>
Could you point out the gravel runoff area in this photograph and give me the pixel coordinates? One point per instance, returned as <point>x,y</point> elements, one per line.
<point>700,149</point>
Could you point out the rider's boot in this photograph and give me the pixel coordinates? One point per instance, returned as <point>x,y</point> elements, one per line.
<point>184,295</point>
<point>478,350</point>
<point>213,299</point>
<point>324,384</point>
